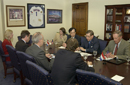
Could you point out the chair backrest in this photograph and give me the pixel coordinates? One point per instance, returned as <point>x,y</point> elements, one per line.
<point>1,49</point>
<point>38,75</point>
<point>102,44</point>
<point>30,41</point>
<point>22,58</point>
<point>88,78</point>
<point>13,57</point>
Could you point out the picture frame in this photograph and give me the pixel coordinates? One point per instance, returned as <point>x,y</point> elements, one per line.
<point>54,16</point>
<point>15,16</point>
<point>36,15</point>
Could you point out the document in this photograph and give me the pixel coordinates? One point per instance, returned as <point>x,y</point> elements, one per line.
<point>117,78</point>
<point>83,53</point>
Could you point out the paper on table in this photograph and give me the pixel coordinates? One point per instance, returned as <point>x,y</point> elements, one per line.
<point>85,54</point>
<point>78,51</point>
<point>117,78</point>
<point>61,47</point>
<point>53,56</point>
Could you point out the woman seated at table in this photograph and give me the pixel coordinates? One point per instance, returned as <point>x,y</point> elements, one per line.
<point>60,37</point>
<point>66,62</point>
<point>8,35</point>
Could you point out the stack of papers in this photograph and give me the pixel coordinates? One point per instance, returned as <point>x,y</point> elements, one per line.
<point>83,54</point>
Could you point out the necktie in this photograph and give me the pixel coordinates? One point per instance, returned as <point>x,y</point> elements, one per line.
<point>116,48</point>
<point>89,44</point>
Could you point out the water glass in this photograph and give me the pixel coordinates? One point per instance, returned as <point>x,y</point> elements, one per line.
<point>46,47</point>
<point>128,59</point>
<point>94,53</point>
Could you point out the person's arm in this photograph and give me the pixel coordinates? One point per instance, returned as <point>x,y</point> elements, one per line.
<point>80,64</point>
<point>42,59</point>
<point>126,53</point>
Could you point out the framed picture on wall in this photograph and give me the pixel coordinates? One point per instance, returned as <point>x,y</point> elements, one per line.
<point>54,16</point>
<point>15,16</point>
<point>36,16</point>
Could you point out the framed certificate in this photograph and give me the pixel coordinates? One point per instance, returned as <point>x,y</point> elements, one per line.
<point>36,16</point>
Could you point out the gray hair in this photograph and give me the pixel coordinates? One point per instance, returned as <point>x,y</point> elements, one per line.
<point>36,37</point>
<point>118,32</point>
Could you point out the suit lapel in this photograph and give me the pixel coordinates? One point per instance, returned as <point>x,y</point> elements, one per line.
<point>120,47</point>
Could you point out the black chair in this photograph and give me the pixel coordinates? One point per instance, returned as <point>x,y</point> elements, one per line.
<point>22,58</point>
<point>6,64</point>
<point>102,46</point>
<point>39,75</point>
<point>91,78</point>
<point>15,62</point>
<point>30,41</point>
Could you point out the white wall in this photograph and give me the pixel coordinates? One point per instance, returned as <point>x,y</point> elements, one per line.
<point>96,13</point>
<point>49,30</point>
<point>1,25</point>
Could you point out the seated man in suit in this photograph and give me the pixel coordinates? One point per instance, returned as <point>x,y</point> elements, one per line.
<point>66,62</point>
<point>91,43</point>
<point>21,44</point>
<point>38,54</point>
<point>72,32</point>
<point>118,47</point>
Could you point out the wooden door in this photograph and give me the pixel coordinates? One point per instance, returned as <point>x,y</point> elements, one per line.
<point>80,18</point>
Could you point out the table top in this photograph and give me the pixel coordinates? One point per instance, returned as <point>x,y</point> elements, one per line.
<point>109,70</point>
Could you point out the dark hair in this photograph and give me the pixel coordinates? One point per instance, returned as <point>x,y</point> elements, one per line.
<point>63,30</point>
<point>72,29</point>
<point>91,32</point>
<point>72,44</point>
<point>24,33</point>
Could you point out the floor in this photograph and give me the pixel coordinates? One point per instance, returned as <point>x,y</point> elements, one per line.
<point>9,78</point>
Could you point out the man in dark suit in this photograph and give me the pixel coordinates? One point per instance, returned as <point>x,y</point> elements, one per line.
<point>91,43</point>
<point>38,54</point>
<point>72,32</point>
<point>21,44</point>
<point>65,64</point>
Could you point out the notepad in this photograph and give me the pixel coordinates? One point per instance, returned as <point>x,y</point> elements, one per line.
<point>85,54</point>
<point>117,78</point>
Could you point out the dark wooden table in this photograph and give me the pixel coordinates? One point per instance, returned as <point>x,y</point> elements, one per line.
<point>109,70</point>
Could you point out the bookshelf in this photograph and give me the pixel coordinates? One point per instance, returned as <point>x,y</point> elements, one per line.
<point>117,17</point>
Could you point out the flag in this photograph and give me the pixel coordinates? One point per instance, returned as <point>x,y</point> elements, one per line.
<point>48,42</point>
<point>102,57</point>
<point>52,41</point>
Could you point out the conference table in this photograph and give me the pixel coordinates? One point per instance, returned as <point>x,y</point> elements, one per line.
<point>108,69</point>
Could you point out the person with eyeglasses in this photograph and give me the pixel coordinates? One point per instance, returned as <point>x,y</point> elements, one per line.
<point>91,43</point>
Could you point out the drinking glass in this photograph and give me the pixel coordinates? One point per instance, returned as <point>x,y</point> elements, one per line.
<point>46,47</point>
<point>94,53</point>
<point>85,57</point>
<point>128,59</point>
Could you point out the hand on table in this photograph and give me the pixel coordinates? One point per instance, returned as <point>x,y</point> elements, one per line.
<point>81,48</point>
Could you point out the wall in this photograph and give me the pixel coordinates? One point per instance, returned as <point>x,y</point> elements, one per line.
<point>96,13</point>
<point>49,30</point>
<point>1,25</point>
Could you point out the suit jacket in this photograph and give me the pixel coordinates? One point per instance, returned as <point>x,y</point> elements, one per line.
<point>21,46</point>
<point>94,45</point>
<point>40,57</point>
<point>123,50</point>
<point>65,65</point>
<point>77,37</point>
<point>6,42</point>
